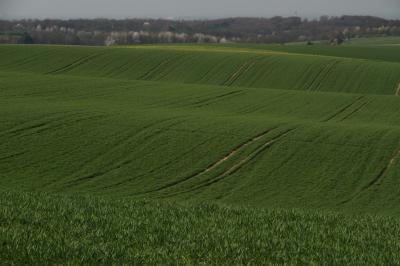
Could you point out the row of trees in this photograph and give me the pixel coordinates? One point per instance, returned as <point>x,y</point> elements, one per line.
<point>107,38</point>
<point>132,31</point>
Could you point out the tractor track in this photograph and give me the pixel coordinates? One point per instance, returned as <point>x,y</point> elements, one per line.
<point>355,110</point>
<point>153,70</point>
<point>316,77</point>
<point>116,146</point>
<point>343,109</point>
<point>74,64</point>
<point>398,90</point>
<point>215,164</point>
<point>378,178</point>
<point>243,69</point>
<point>160,167</point>
<point>217,98</point>
<point>37,123</point>
<point>236,167</point>
<point>48,124</point>
<point>325,74</point>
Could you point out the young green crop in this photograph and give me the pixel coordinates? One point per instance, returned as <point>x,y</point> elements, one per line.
<point>49,229</point>
<point>212,65</point>
<point>137,145</point>
<point>376,49</point>
<point>194,143</point>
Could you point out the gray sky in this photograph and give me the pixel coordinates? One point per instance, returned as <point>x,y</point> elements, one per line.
<point>10,9</point>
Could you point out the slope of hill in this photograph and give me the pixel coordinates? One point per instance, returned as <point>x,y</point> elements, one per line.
<point>382,41</point>
<point>172,154</point>
<point>375,52</point>
<point>74,121</point>
<point>288,69</point>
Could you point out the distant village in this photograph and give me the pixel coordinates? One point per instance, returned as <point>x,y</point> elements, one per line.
<point>334,30</point>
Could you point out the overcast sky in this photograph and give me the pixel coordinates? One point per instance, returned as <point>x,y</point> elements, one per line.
<point>11,9</point>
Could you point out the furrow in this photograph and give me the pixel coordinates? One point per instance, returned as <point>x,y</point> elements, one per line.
<point>355,110</point>
<point>377,179</point>
<point>122,142</point>
<point>327,71</point>
<point>315,79</point>
<point>37,123</point>
<point>217,98</point>
<point>74,64</point>
<point>343,109</point>
<point>163,166</point>
<point>153,70</point>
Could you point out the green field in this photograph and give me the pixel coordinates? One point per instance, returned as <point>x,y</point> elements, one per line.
<point>49,229</point>
<point>388,40</point>
<point>127,140</point>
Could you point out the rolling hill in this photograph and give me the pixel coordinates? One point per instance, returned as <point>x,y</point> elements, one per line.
<point>248,127</point>
<point>290,69</point>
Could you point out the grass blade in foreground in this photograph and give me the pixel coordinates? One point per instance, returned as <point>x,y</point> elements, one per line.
<point>43,229</point>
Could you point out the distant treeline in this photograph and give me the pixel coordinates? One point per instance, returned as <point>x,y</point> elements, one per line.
<point>248,30</point>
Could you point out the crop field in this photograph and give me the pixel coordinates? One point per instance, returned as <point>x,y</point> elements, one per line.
<point>50,229</point>
<point>259,154</point>
<point>392,40</point>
